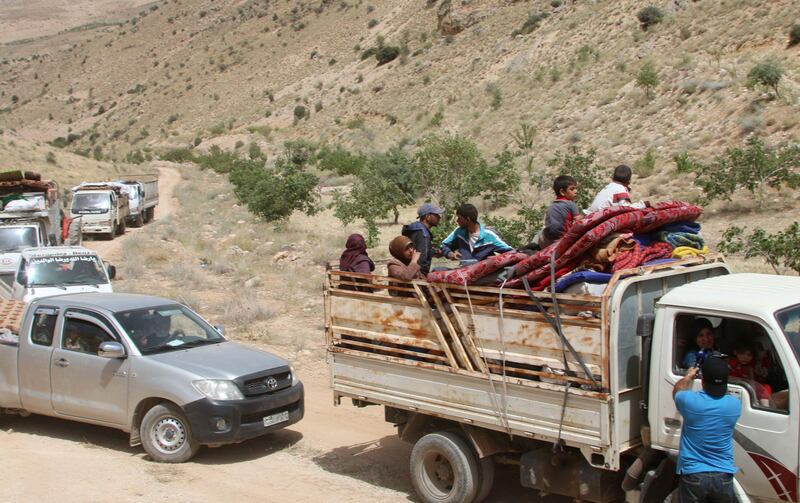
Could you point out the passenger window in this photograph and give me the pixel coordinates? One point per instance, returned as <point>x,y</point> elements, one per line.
<point>83,336</point>
<point>44,326</point>
<point>753,363</point>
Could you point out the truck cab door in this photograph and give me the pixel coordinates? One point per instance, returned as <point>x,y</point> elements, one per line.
<point>766,436</point>
<point>84,384</point>
<point>36,350</point>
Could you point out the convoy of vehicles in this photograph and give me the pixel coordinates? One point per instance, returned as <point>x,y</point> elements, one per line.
<point>574,389</point>
<point>56,270</point>
<point>145,365</point>
<point>103,208</point>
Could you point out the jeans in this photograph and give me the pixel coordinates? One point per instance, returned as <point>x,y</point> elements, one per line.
<point>706,487</point>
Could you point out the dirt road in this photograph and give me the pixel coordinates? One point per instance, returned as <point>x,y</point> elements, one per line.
<point>334,455</point>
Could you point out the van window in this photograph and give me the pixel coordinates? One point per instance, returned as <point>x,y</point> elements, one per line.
<point>44,326</point>
<point>752,360</point>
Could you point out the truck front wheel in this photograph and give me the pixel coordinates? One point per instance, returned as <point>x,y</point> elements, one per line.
<point>121,228</point>
<point>444,469</point>
<point>166,434</point>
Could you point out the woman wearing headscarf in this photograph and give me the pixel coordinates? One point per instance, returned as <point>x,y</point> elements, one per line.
<point>355,259</point>
<point>404,263</point>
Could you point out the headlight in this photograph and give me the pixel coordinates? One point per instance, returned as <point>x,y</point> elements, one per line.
<point>295,380</point>
<point>218,390</point>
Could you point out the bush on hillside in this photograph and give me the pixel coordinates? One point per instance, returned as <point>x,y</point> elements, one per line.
<point>530,24</point>
<point>794,35</point>
<point>645,166</point>
<point>300,113</point>
<point>178,155</point>
<point>340,160</point>
<point>647,78</point>
<point>386,53</point>
<point>520,230</point>
<point>583,167</point>
<point>765,74</point>
<point>649,16</point>
<point>753,168</point>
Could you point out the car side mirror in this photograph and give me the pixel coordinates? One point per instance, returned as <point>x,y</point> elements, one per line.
<point>111,349</point>
<point>220,329</point>
<point>111,270</point>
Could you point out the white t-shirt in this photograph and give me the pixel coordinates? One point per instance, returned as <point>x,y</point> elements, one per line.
<point>613,194</point>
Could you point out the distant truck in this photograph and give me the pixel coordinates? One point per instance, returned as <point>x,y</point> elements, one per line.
<point>103,208</point>
<point>145,365</point>
<point>574,389</point>
<point>142,193</point>
<point>30,216</point>
<point>55,270</point>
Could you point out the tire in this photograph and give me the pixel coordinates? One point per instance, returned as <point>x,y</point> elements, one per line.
<point>444,469</point>
<point>121,228</point>
<point>166,434</point>
<point>138,221</point>
<point>486,469</point>
<point>110,235</point>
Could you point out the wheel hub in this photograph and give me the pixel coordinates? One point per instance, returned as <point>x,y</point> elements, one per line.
<point>169,434</point>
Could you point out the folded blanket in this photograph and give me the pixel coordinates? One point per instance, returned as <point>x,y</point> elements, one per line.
<point>603,255</point>
<point>470,274</point>
<point>641,254</point>
<point>677,239</point>
<point>687,251</point>
<point>691,227</point>
<point>581,277</point>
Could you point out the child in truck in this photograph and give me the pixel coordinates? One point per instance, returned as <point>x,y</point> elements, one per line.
<point>743,366</point>
<point>562,213</point>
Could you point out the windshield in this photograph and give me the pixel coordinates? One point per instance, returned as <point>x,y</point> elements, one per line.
<point>88,202</point>
<point>166,328</point>
<point>14,239</point>
<point>63,271</point>
<point>789,321</point>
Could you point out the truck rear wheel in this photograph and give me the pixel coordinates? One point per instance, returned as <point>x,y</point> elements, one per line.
<point>444,469</point>
<point>121,228</point>
<point>486,469</point>
<point>166,434</point>
<point>139,220</point>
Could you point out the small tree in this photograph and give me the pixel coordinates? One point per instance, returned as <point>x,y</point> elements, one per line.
<point>649,16</point>
<point>647,78</point>
<point>754,168</point>
<point>794,35</point>
<point>300,113</point>
<point>451,170</point>
<point>765,74</point>
<point>781,248</point>
<point>519,231</point>
<point>340,161</point>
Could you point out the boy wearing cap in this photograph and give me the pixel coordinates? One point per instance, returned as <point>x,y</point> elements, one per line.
<point>705,459</point>
<point>420,234</point>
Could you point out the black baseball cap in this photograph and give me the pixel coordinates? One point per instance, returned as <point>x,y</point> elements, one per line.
<point>715,376</point>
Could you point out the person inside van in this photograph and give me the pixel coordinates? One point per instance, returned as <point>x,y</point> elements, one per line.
<point>703,342</point>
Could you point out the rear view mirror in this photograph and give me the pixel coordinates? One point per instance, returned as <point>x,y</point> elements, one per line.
<point>111,349</point>
<point>220,329</point>
<point>111,270</point>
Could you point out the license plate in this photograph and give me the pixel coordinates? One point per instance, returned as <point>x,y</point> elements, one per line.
<point>276,418</point>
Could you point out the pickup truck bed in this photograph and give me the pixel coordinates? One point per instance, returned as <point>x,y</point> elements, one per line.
<point>489,358</point>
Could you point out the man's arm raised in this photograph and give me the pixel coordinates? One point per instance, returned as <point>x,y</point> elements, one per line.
<point>686,382</point>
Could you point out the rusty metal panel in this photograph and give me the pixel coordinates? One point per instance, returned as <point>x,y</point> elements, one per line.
<point>382,315</point>
<point>535,342</point>
<point>532,411</point>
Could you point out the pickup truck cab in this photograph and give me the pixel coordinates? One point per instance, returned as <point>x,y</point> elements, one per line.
<point>145,365</point>
<point>55,270</point>
<point>15,237</point>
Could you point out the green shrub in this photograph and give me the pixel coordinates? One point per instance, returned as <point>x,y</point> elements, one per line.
<point>530,24</point>
<point>649,16</point>
<point>583,167</point>
<point>765,74</point>
<point>647,78</point>
<point>519,231</point>
<point>340,161</point>
<point>794,35</point>
<point>753,168</point>
<point>372,23</point>
<point>645,166</point>
<point>300,112</point>
<point>386,54</point>
<point>781,248</point>
<point>178,155</point>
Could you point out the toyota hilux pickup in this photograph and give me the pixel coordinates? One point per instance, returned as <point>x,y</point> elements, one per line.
<point>145,365</point>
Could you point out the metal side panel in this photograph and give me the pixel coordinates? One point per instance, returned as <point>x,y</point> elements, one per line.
<point>9,383</point>
<point>532,412</point>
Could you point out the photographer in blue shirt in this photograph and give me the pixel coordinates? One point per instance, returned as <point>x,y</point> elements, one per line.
<point>705,460</point>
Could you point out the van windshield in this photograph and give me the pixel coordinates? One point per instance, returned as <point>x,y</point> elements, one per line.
<point>789,321</point>
<point>14,239</point>
<point>63,271</point>
<point>167,328</point>
<point>88,202</point>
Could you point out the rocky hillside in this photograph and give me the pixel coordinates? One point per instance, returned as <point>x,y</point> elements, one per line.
<point>182,72</point>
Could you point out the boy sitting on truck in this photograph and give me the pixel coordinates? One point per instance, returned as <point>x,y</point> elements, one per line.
<point>472,242</point>
<point>561,214</point>
<point>616,193</point>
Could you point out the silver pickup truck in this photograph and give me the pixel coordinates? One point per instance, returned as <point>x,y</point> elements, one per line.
<point>145,365</point>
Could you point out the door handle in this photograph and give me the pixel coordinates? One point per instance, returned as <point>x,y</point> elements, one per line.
<point>62,362</point>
